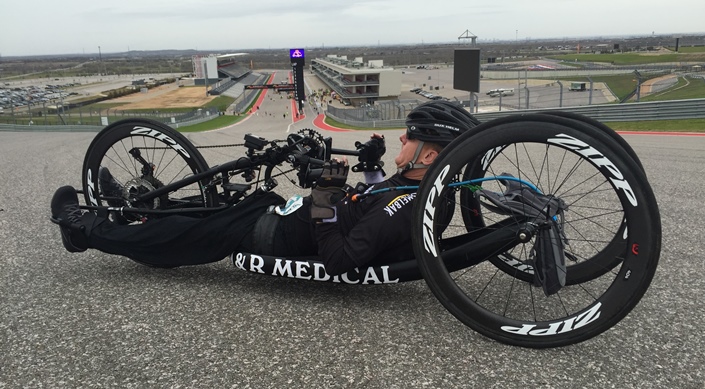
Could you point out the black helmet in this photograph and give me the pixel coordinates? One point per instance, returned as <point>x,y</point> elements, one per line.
<point>438,122</point>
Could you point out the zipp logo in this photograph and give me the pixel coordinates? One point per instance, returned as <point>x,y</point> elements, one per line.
<point>489,156</point>
<point>429,210</point>
<point>152,133</point>
<point>559,327</point>
<point>516,264</point>
<point>91,191</point>
<point>598,159</point>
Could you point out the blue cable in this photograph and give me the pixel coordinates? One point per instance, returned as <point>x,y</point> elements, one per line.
<point>507,178</point>
<point>455,184</point>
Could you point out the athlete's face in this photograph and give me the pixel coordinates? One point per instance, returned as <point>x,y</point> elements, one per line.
<point>408,148</point>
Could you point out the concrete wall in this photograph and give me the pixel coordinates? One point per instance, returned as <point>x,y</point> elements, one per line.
<point>389,83</point>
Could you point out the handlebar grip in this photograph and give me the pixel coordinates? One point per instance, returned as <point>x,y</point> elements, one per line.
<point>305,159</point>
<point>316,161</point>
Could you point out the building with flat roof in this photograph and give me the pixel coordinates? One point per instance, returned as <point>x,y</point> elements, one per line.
<point>357,82</point>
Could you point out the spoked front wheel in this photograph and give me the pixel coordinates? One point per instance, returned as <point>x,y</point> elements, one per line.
<point>139,156</point>
<point>610,229</point>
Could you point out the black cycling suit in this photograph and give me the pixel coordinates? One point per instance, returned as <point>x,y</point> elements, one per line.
<point>373,231</point>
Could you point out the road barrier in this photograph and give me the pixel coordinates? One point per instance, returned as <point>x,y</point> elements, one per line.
<point>657,110</point>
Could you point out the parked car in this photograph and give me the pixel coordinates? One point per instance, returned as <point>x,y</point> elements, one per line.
<point>500,92</point>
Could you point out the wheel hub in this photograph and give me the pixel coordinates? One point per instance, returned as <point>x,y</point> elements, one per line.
<point>138,186</point>
<point>525,234</point>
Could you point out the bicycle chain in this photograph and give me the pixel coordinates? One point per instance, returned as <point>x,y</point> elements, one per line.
<point>198,147</point>
<point>217,146</point>
<point>311,133</point>
<point>203,147</point>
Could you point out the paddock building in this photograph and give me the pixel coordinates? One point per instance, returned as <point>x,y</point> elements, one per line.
<point>356,82</point>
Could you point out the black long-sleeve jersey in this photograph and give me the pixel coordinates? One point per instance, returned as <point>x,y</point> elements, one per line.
<point>374,231</point>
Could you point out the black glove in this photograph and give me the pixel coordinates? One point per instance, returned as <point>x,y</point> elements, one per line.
<point>328,190</point>
<point>370,156</point>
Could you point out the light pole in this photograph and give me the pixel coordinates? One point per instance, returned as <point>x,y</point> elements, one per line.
<point>206,73</point>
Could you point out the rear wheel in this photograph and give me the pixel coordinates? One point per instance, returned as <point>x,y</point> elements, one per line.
<point>611,224</point>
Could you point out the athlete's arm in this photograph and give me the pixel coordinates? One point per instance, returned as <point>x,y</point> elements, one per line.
<point>382,229</point>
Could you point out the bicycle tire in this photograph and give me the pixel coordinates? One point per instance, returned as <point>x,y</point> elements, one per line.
<point>507,307</point>
<point>171,155</point>
<point>601,127</point>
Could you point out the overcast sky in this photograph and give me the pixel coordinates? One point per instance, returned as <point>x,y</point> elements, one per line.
<point>34,27</point>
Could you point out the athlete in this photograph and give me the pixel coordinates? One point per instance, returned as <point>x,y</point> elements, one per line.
<point>344,228</point>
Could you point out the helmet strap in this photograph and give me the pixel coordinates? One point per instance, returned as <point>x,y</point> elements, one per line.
<point>412,164</point>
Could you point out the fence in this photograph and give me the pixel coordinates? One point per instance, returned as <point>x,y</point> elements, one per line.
<point>96,117</point>
<point>43,128</point>
<point>658,110</point>
<point>71,124</point>
<point>382,110</point>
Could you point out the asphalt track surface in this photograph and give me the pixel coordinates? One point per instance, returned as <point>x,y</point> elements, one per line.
<point>96,320</point>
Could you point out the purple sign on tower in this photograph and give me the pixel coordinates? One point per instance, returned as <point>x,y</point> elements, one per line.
<point>296,53</point>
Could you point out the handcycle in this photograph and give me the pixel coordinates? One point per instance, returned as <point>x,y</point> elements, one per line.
<point>482,254</point>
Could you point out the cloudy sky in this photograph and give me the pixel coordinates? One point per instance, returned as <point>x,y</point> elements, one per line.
<point>34,27</point>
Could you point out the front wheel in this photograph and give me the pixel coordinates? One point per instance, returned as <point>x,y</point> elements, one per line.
<point>606,195</point>
<point>142,155</point>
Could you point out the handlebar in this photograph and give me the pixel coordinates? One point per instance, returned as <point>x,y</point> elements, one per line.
<point>306,151</point>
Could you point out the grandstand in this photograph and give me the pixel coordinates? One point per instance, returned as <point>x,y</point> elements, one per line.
<point>231,76</point>
<point>235,88</point>
<point>233,70</point>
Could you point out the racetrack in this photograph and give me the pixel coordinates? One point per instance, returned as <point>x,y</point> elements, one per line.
<point>95,320</point>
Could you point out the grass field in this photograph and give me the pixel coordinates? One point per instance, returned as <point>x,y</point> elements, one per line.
<point>621,85</point>
<point>686,88</point>
<point>685,125</point>
<point>688,49</point>
<point>632,58</point>
<point>214,124</point>
<point>220,121</point>
<point>625,84</point>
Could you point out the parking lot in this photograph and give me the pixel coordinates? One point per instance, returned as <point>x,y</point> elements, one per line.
<point>542,93</point>
<point>41,92</point>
